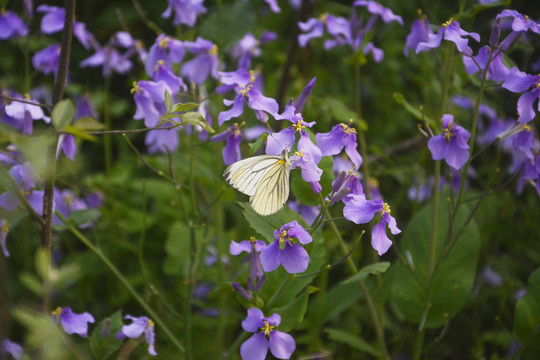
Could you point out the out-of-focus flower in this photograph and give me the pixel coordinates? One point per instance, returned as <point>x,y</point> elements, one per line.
<point>47,60</point>
<point>149,97</point>
<point>11,25</point>
<point>452,145</point>
<point>496,71</point>
<point>185,11</point>
<point>165,48</point>
<point>341,136</point>
<point>257,278</point>
<point>344,184</point>
<point>386,14</point>
<point>529,85</point>
<point>163,72</point>
<point>25,177</point>
<point>204,64</point>
<point>265,337</point>
<point>420,33</point>
<point>491,277</point>
<point>337,27</point>
<point>73,323</point>
<point>24,114</point>
<point>450,31</point>
<point>138,326</point>
<point>361,211</point>
<point>110,59</point>
<point>4,230</point>
<point>9,347</point>
<point>233,138</point>
<point>53,21</point>
<point>286,250</point>
<point>162,141</point>
<point>249,47</point>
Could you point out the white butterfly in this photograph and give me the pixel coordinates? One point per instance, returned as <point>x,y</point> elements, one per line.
<point>264,178</point>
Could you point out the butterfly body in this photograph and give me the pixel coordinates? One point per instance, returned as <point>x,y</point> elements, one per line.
<point>264,178</point>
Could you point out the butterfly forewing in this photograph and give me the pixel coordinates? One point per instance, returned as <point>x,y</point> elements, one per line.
<point>245,175</point>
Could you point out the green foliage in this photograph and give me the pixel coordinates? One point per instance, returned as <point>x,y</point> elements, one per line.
<point>62,114</point>
<point>527,316</point>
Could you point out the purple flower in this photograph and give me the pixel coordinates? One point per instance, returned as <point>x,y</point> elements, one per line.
<point>520,82</point>
<point>149,97</point>
<point>11,26</point>
<point>110,59</point>
<point>452,145</point>
<point>252,247</point>
<point>496,71</point>
<point>165,48</point>
<point>450,31</point>
<point>273,6</point>
<point>47,60</point>
<point>521,22</point>
<point>71,322</point>
<point>205,63</point>
<point>243,82</point>
<point>338,27</point>
<point>249,47</point>
<point>233,138</point>
<point>310,171</point>
<point>361,211</point>
<point>301,100</point>
<point>491,277</point>
<point>162,141</point>
<point>387,15</point>
<point>53,21</point>
<point>341,136</point>
<point>281,344</point>
<point>286,251</point>
<point>9,347</point>
<point>345,183</point>
<point>524,141</point>
<point>163,72</point>
<point>4,230</point>
<point>185,11</point>
<point>138,326</point>
<point>25,114</point>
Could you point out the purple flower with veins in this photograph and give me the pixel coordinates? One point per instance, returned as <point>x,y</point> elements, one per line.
<point>165,48</point>
<point>11,25</point>
<point>341,136</point>
<point>72,323</point>
<point>185,11</point>
<point>265,337</point>
<point>529,85</point>
<point>204,64</point>
<point>496,71</point>
<point>286,250</point>
<point>361,211</point>
<point>244,83</point>
<point>249,47</point>
<point>450,31</point>
<point>149,97</point>
<point>162,141</point>
<point>233,138</point>
<point>9,347</point>
<point>46,60</point>
<point>420,33</point>
<point>25,115</point>
<point>4,230</point>
<point>452,145</point>
<point>138,326</point>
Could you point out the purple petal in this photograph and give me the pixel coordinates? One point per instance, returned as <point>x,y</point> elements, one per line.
<point>518,81</point>
<point>254,348</point>
<point>359,210</point>
<point>236,110</point>
<point>75,323</point>
<point>282,345</point>
<point>379,239</point>
<point>258,101</point>
<point>277,142</point>
<point>270,257</point>
<point>150,339</point>
<point>437,145</point>
<point>525,105</point>
<point>253,321</point>
<point>294,258</point>
<point>237,248</point>
<point>456,157</point>
<point>9,200</point>
<point>136,328</point>
<point>306,146</point>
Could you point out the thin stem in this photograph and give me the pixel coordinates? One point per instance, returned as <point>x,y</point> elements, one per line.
<point>125,282</point>
<point>107,117</point>
<point>361,133</point>
<point>127,131</point>
<point>139,155</point>
<point>47,106</point>
<point>434,218</point>
<point>142,14</point>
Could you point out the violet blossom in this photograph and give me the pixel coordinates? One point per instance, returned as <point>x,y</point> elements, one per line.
<point>11,25</point>
<point>72,323</point>
<point>249,47</point>
<point>337,27</point>
<point>204,64</point>
<point>165,48</point>
<point>496,71</point>
<point>162,141</point>
<point>286,249</point>
<point>46,60</point>
<point>450,31</point>
<point>25,114</point>
<point>149,97</point>
<point>529,85</point>
<point>265,337</point>
<point>257,278</point>
<point>185,11</point>
<point>360,211</point>
<point>233,138</point>
<point>420,33</point>
<point>341,136</point>
<point>9,347</point>
<point>452,144</point>
<point>138,326</point>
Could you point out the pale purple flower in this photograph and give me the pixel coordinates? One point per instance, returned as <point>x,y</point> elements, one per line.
<point>309,170</point>
<point>53,21</point>
<point>164,72</point>
<point>204,64</point>
<point>9,347</point>
<point>66,202</point>
<point>11,25</point>
<point>341,136</point>
<point>286,249</point>
<point>110,59</point>
<point>249,47</point>
<point>46,60</point>
<point>265,337</point>
<point>491,277</point>
<point>301,100</point>
<point>386,14</point>
<point>185,11</point>
<point>162,141</point>
<point>450,31</point>
<point>25,177</point>
<point>338,27</point>
<point>252,247</point>
<point>361,211</point>
<point>165,48</point>
<point>25,115</point>
<point>233,138</point>
<point>529,85</point>
<point>520,22</point>
<point>149,97</point>
<point>420,33</point>
<point>138,326</point>
<point>452,145</point>
<point>496,71</point>
<point>72,323</point>
<point>273,5</point>
<point>523,141</point>
<point>4,230</point>
<point>345,183</point>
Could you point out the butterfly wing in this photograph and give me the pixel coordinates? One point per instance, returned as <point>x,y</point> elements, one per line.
<point>273,189</point>
<point>245,175</point>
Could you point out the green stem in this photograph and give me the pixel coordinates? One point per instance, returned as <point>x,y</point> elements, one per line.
<point>108,125</point>
<point>155,317</point>
<point>434,218</point>
<point>361,132</point>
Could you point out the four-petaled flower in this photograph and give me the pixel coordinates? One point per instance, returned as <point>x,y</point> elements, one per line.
<point>451,31</point>
<point>233,138</point>
<point>72,323</point>
<point>359,210</point>
<point>520,82</point>
<point>341,136</point>
<point>452,145</point>
<point>286,251</point>
<point>265,337</point>
<point>139,326</point>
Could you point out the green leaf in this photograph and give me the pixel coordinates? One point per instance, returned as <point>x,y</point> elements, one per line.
<point>456,273</point>
<point>104,347</point>
<point>184,107</point>
<point>196,118</point>
<point>527,314</point>
<point>342,113</point>
<point>79,133</point>
<point>292,314</point>
<point>177,249</point>
<point>84,216</point>
<point>62,114</point>
<point>169,102</point>
<point>254,146</point>
<point>413,110</point>
<point>88,124</point>
<point>353,341</point>
<point>31,282</point>
<point>377,268</point>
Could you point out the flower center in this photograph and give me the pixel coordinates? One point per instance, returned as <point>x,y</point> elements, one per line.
<point>299,153</point>
<point>27,96</point>
<point>164,42</point>
<point>538,82</point>
<point>283,236</point>
<point>158,64</point>
<point>150,323</point>
<point>447,132</point>
<point>244,90</point>
<point>373,182</point>
<point>347,128</point>
<point>447,23</point>
<point>385,209</point>
<point>213,50</point>
<point>68,199</point>
<point>252,76</point>
<point>267,328</point>
<point>526,127</point>
<point>5,227</point>
<point>57,312</point>
<point>323,18</point>
<point>298,126</point>
<point>135,88</point>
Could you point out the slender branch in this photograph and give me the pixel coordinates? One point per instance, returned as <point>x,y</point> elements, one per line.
<point>25,101</point>
<point>132,131</point>
<point>142,14</point>
<point>145,163</point>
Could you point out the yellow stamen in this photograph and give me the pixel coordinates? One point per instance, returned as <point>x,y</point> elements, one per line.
<point>282,236</point>
<point>245,89</point>
<point>57,312</point>
<point>252,77</point>
<point>150,323</point>
<point>164,42</point>
<point>448,22</point>
<point>347,128</point>
<point>5,227</point>
<point>252,239</point>
<point>526,127</point>
<point>135,88</point>
<point>373,182</point>
<point>386,209</point>
<point>267,328</point>
<point>299,153</point>
<point>298,126</point>
<point>213,50</point>
<point>27,96</point>
<point>68,199</point>
<point>323,18</point>
<point>447,133</point>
